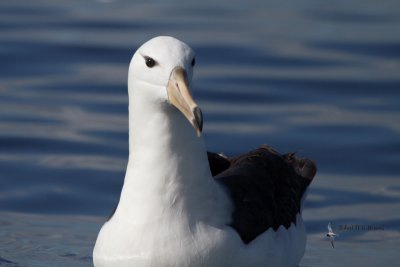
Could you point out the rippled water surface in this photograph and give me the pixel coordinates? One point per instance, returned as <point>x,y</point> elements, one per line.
<point>317,77</point>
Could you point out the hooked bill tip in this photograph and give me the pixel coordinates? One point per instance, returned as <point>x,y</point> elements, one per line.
<point>198,116</point>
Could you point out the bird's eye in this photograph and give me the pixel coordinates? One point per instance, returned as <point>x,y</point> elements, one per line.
<point>150,62</point>
<point>193,62</point>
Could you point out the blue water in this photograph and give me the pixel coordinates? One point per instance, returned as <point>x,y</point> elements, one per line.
<point>317,77</point>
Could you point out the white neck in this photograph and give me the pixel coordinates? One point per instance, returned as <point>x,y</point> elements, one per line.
<point>168,169</point>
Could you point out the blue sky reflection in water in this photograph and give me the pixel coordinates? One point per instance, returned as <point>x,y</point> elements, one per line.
<point>320,78</point>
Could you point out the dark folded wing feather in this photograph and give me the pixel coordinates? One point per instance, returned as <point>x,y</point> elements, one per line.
<point>266,188</point>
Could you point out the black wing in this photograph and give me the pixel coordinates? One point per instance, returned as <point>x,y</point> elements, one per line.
<point>266,188</point>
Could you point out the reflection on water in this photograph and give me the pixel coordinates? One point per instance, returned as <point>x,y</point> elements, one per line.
<point>313,77</point>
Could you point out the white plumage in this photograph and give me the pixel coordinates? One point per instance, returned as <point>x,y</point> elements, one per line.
<point>171,212</point>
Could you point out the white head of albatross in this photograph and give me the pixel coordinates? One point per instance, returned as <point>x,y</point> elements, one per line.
<point>171,211</point>
<point>160,74</point>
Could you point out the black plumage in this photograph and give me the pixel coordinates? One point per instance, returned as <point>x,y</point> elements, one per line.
<point>266,188</point>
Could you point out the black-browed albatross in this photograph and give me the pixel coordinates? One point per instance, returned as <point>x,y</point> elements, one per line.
<point>183,207</point>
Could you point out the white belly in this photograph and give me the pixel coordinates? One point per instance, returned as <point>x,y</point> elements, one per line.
<point>177,244</point>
